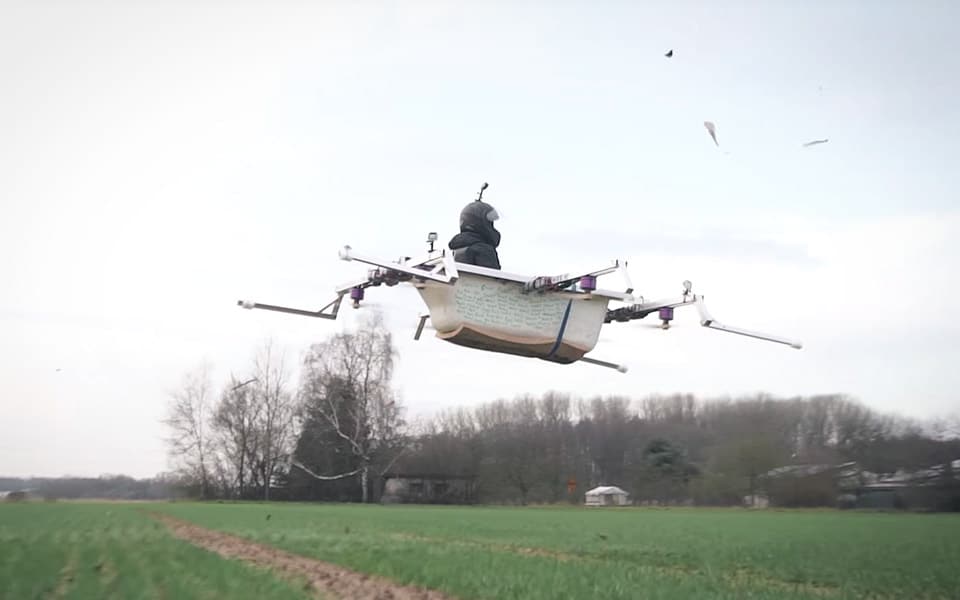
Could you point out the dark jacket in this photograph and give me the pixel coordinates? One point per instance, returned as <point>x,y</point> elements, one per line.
<point>477,242</point>
<point>470,248</point>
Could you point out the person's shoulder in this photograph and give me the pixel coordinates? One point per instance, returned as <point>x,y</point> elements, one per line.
<point>462,240</point>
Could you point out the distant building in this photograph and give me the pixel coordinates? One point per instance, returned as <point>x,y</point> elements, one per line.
<point>890,495</point>
<point>848,486</point>
<point>812,484</point>
<point>936,487</point>
<point>605,495</point>
<point>428,488</point>
<point>18,495</point>
<point>756,501</point>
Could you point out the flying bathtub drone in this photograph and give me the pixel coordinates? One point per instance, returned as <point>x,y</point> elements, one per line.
<point>556,319</point>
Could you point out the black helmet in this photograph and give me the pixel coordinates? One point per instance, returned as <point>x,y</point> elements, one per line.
<point>478,217</point>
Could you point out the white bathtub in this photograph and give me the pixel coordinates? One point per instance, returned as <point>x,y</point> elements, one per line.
<point>488,310</point>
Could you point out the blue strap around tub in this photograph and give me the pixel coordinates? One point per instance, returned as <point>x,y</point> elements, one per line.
<point>563,327</point>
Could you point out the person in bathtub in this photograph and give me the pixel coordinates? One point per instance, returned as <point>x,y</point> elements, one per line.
<point>477,242</point>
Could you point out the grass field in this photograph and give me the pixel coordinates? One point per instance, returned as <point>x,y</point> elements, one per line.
<point>114,551</point>
<point>533,553</point>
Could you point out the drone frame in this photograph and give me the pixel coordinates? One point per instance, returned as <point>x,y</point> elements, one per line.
<point>439,267</point>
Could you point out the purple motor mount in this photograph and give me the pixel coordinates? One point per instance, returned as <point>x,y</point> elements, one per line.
<point>356,294</point>
<point>666,315</point>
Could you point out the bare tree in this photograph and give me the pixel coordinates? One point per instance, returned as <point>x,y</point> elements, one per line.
<point>609,435</point>
<point>236,420</point>
<point>512,458</point>
<point>345,389</point>
<point>556,430</point>
<point>946,427</point>
<point>953,425</point>
<point>190,435</point>
<point>273,416</point>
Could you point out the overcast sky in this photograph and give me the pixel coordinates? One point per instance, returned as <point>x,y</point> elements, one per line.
<point>159,161</point>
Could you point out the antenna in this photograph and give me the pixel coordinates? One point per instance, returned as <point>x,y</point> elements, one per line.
<point>483,187</point>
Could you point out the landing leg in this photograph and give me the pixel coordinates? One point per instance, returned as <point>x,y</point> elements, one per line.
<point>603,363</point>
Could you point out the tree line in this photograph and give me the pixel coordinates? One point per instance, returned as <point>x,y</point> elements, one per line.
<point>107,486</point>
<point>673,449</point>
<point>335,433</point>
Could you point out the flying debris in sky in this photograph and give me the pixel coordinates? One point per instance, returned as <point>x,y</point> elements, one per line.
<point>669,54</point>
<point>713,131</point>
<point>815,142</point>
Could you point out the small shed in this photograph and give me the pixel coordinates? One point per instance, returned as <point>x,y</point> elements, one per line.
<point>606,495</point>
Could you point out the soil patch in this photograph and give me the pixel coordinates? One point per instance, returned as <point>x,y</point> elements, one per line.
<point>327,579</point>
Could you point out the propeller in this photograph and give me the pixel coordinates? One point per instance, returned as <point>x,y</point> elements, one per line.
<point>659,325</point>
<point>367,303</point>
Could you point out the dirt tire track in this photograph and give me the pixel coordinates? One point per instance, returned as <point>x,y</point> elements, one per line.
<point>325,578</point>
<point>67,575</point>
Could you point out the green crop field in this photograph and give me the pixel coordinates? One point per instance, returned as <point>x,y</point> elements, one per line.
<point>67,550</point>
<point>475,552</point>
